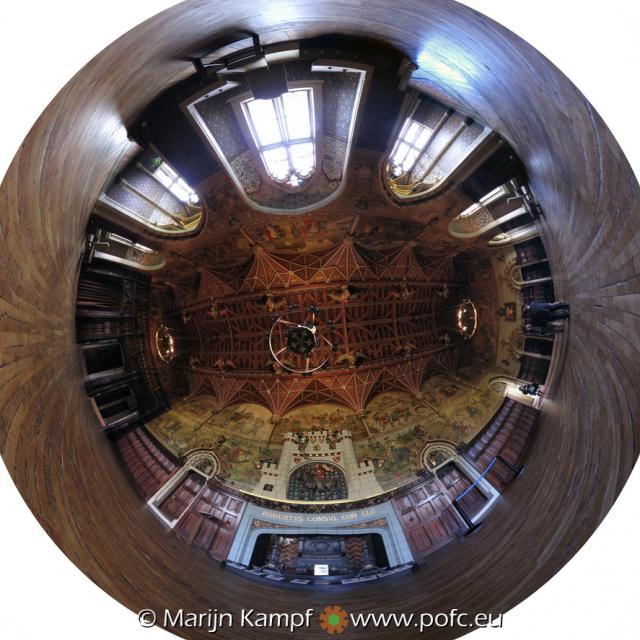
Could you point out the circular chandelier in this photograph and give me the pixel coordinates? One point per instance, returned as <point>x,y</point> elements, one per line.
<point>466,319</point>
<point>301,341</point>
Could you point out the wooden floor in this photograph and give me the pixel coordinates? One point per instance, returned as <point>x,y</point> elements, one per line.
<point>587,440</point>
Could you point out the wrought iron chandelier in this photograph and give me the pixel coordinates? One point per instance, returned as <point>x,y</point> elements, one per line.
<point>301,341</point>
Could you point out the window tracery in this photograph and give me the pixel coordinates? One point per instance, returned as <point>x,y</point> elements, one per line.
<point>432,143</point>
<point>283,130</point>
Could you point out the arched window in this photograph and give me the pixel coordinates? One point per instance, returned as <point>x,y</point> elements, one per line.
<point>107,245</point>
<point>172,181</point>
<point>283,130</point>
<point>151,195</point>
<point>501,206</point>
<point>485,201</point>
<point>411,142</point>
<point>520,234</point>
<point>432,143</point>
<point>287,149</point>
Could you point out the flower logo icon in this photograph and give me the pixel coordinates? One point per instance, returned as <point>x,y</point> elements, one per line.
<point>334,619</point>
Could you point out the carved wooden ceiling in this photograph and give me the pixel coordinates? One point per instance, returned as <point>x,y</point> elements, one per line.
<point>231,227</point>
<point>394,316</point>
<point>383,273</point>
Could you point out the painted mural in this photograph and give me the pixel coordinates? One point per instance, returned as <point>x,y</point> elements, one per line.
<point>238,434</point>
<point>231,226</point>
<point>451,409</point>
<point>321,417</point>
<point>507,325</point>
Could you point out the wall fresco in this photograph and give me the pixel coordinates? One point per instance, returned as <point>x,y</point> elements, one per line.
<point>320,417</point>
<point>198,423</point>
<point>452,409</point>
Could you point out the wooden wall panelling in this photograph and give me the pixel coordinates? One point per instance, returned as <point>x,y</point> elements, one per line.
<point>427,518</point>
<point>212,521</point>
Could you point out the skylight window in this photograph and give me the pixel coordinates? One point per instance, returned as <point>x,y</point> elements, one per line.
<point>411,142</point>
<point>490,198</point>
<point>129,243</point>
<point>172,181</point>
<point>284,132</point>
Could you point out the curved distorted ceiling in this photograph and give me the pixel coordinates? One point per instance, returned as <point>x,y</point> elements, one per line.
<point>317,191</point>
<point>305,321</point>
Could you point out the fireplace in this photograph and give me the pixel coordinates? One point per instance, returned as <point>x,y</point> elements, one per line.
<point>306,556</point>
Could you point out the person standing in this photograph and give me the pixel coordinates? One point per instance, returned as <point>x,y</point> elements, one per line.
<point>530,389</point>
<point>539,313</point>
